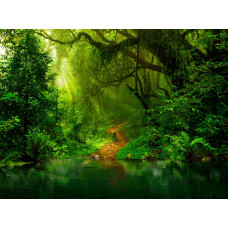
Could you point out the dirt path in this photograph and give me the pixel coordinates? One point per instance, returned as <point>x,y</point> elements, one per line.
<point>109,150</point>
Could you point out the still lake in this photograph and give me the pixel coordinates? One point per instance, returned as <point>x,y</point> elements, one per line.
<point>114,179</point>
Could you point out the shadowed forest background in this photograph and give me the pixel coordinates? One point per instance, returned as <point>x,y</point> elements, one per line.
<point>61,90</point>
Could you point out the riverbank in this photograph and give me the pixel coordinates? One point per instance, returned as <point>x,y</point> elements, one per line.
<point>124,143</point>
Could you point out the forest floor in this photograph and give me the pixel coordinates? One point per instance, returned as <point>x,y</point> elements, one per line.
<point>109,150</point>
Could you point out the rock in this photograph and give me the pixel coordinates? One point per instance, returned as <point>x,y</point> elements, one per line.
<point>96,156</point>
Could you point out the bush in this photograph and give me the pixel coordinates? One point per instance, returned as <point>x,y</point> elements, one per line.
<point>40,146</point>
<point>136,149</point>
<point>177,147</point>
<point>8,139</point>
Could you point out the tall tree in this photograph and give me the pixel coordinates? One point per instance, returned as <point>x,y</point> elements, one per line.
<point>24,82</point>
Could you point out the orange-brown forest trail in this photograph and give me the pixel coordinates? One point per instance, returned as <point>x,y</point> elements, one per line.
<point>110,149</point>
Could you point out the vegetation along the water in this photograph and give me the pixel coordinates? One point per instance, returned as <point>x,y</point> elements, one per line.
<point>113,94</point>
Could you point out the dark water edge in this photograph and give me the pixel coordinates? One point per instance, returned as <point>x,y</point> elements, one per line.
<point>115,179</point>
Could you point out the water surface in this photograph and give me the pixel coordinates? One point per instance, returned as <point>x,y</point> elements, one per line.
<point>99,179</point>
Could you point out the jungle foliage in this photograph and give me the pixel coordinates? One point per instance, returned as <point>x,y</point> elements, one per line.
<point>61,89</point>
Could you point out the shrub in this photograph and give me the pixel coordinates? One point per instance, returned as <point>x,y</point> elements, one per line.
<point>136,149</point>
<point>8,137</point>
<point>40,146</point>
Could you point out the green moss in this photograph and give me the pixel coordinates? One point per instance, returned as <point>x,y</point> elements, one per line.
<point>12,163</point>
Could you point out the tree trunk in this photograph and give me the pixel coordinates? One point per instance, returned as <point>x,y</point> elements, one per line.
<point>141,99</point>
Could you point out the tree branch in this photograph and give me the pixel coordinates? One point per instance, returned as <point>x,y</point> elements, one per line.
<point>101,46</point>
<point>165,90</point>
<point>116,82</point>
<point>124,33</point>
<point>99,33</point>
<point>76,38</point>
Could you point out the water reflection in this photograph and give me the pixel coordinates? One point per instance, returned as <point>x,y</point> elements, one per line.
<point>73,178</point>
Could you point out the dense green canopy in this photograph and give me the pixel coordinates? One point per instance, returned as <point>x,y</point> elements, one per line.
<point>169,86</point>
